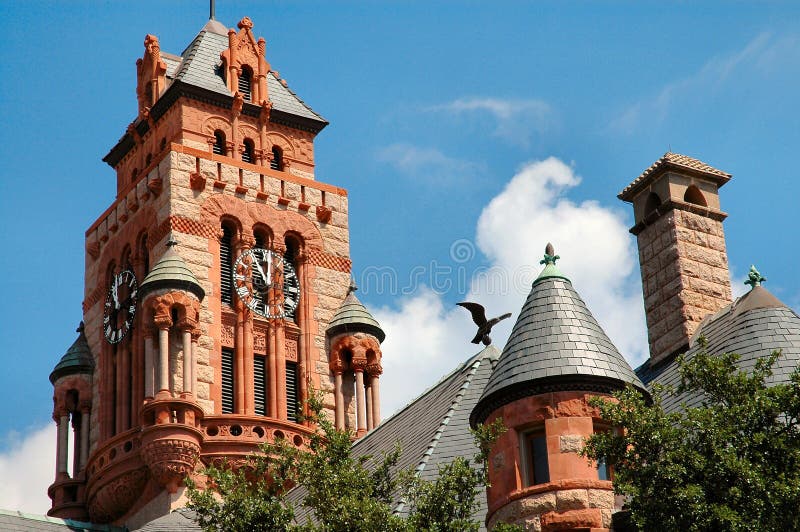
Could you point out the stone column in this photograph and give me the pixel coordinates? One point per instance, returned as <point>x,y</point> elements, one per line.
<point>247,363</point>
<point>339,399</point>
<point>376,398</point>
<point>186,330</point>
<point>149,364</point>
<point>85,428</point>
<point>272,370</point>
<point>280,367</point>
<point>368,390</point>
<point>304,315</point>
<point>124,389</point>
<point>195,337</point>
<point>76,445</point>
<point>361,418</point>
<point>62,446</point>
<point>163,323</point>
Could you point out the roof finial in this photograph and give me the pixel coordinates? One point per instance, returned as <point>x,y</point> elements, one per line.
<point>754,278</point>
<point>211,11</point>
<point>550,256</point>
<point>80,328</point>
<point>353,286</point>
<point>172,243</point>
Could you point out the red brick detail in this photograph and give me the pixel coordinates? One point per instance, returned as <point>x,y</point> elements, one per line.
<point>240,189</point>
<point>318,257</point>
<point>155,186</point>
<point>303,206</point>
<point>196,181</point>
<point>95,296</point>
<point>324,214</point>
<point>572,520</point>
<point>219,185</point>
<point>283,201</point>
<point>262,195</point>
<point>93,249</point>
<point>192,227</point>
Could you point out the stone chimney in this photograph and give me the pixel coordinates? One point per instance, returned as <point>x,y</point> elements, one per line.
<point>678,226</point>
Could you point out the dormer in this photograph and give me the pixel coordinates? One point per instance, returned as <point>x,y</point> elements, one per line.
<point>245,64</point>
<point>151,75</point>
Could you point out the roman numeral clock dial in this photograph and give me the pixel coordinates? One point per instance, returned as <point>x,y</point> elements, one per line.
<point>120,306</point>
<point>267,283</point>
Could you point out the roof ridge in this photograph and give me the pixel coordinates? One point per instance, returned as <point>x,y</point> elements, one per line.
<point>473,369</point>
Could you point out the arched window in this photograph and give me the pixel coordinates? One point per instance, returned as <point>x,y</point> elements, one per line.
<point>219,143</point>
<point>652,203</point>
<point>693,195</point>
<point>291,284</point>
<point>226,265</point>
<point>262,236</point>
<point>246,83</point>
<point>248,154</point>
<point>277,159</point>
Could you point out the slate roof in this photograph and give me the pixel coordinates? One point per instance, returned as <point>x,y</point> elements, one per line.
<point>753,326</point>
<point>677,161</point>
<point>180,520</point>
<point>77,359</point>
<point>13,521</point>
<point>433,429</point>
<point>555,344</point>
<point>171,272</point>
<point>200,67</point>
<point>353,316</point>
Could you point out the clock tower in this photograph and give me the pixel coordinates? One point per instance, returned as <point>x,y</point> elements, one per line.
<point>210,283</point>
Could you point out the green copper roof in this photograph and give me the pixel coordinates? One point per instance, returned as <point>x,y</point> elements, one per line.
<point>550,270</point>
<point>353,316</point>
<point>171,272</point>
<point>77,359</point>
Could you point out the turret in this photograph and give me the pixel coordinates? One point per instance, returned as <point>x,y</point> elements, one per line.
<point>556,359</point>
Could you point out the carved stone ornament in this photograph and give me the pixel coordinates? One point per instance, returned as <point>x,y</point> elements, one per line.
<point>114,499</point>
<point>196,181</point>
<point>171,453</point>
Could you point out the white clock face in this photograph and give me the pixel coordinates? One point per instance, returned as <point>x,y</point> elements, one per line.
<point>267,283</point>
<point>120,306</point>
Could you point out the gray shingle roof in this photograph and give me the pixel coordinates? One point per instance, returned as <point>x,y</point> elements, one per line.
<point>171,272</point>
<point>753,326</point>
<point>353,316</point>
<point>433,429</point>
<point>200,66</point>
<point>13,521</point>
<point>180,520</point>
<point>556,343</point>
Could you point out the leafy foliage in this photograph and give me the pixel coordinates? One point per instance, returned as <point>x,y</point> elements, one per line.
<point>731,464</point>
<point>345,493</point>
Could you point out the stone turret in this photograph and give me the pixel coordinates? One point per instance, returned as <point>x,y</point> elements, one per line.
<point>354,339</point>
<point>556,359</point>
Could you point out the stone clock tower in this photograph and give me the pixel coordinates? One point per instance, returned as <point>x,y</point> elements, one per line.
<point>210,283</point>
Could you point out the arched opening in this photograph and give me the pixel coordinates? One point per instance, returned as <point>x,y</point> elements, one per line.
<point>291,282</point>
<point>652,204</point>
<point>219,143</point>
<point>277,159</point>
<point>694,196</point>
<point>263,236</point>
<point>226,263</point>
<point>246,83</point>
<point>248,154</point>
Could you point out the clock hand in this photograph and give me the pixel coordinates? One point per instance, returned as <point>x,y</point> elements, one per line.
<point>260,270</point>
<point>115,295</point>
<point>269,269</point>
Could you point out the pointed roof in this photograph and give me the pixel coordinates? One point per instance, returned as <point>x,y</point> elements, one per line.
<point>353,316</point>
<point>674,161</point>
<point>556,344</point>
<point>77,359</point>
<point>171,272</point>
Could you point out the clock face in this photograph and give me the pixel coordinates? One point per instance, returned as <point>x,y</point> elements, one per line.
<point>120,306</point>
<point>267,283</point>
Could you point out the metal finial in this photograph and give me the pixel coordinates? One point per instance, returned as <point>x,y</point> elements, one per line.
<point>550,256</point>
<point>353,286</point>
<point>80,328</point>
<point>211,10</point>
<point>754,278</point>
<point>172,242</point>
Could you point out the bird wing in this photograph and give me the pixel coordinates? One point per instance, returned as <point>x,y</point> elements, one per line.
<point>477,311</point>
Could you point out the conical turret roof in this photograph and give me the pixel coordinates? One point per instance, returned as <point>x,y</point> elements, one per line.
<point>77,359</point>
<point>353,316</point>
<point>171,272</point>
<point>556,344</point>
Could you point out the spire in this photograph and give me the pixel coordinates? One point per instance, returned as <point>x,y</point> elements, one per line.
<point>77,359</point>
<point>555,345</point>
<point>171,272</point>
<point>353,316</point>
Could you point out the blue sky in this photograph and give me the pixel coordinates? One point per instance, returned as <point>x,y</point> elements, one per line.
<point>490,127</point>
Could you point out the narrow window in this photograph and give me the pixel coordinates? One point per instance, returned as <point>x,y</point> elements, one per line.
<point>226,265</point>
<point>291,284</point>
<point>291,391</point>
<point>245,83</point>
<point>652,203</point>
<point>227,381</point>
<point>277,159</point>
<point>535,445</point>
<point>219,143</point>
<point>248,155</point>
<point>260,384</point>
<point>604,471</point>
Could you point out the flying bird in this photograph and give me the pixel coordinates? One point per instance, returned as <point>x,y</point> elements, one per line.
<point>484,325</point>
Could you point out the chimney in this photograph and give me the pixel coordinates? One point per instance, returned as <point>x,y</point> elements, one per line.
<point>678,226</point>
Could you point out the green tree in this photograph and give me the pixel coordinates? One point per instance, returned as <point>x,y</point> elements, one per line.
<point>732,463</point>
<point>344,492</point>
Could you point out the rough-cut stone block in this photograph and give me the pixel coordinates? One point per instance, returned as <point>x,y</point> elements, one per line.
<point>572,499</point>
<point>601,498</point>
<point>571,443</point>
<point>537,504</point>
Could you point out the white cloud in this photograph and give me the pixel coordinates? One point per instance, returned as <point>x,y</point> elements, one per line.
<point>27,468</point>
<point>425,340</point>
<point>428,164</point>
<point>763,54</point>
<point>515,120</point>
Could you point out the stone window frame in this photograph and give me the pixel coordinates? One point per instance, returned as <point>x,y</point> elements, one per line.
<point>528,455</point>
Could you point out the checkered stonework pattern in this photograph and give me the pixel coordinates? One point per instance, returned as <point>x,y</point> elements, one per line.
<point>318,257</point>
